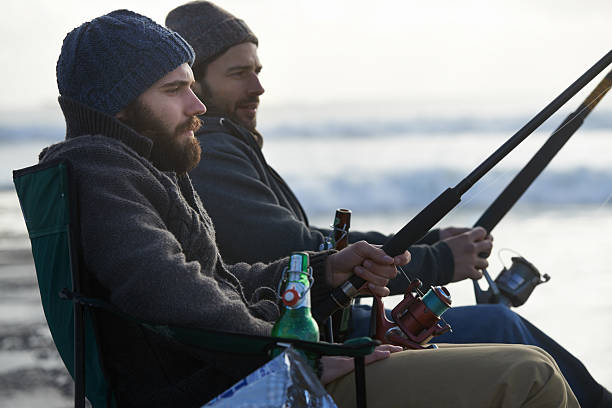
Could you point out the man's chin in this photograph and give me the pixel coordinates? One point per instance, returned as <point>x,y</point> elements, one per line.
<point>250,124</point>
<point>186,136</point>
<point>246,119</point>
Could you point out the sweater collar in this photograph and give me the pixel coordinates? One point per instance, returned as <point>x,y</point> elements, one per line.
<point>82,120</point>
<point>222,124</point>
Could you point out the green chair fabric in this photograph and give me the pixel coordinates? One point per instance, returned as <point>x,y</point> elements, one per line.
<point>47,196</point>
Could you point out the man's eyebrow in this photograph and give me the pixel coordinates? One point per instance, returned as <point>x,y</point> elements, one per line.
<point>177,83</point>
<point>243,68</point>
<point>239,67</point>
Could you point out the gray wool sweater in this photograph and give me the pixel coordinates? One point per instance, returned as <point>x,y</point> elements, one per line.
<point>149,243</point>
<point>258,218</point>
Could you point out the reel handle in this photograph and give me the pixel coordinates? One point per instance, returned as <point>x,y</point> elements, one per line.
<point>415,319</point>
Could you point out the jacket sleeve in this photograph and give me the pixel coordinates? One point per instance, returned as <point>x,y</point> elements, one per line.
<point>320,290</point>
<point>253,217</point>
<point>131,252</point>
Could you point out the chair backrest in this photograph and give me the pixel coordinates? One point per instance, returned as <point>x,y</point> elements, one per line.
<point>51,217</point>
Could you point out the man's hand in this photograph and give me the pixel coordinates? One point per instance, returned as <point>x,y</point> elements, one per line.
<point>335,367</point>
<point>466,244</point>
<point>451,232</point>
<point>366,261</point>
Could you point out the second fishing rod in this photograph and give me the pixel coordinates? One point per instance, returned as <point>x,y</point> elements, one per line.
<point>445,202</point>
<point>515,284</point>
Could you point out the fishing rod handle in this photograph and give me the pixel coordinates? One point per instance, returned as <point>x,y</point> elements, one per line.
<point>398,243</point>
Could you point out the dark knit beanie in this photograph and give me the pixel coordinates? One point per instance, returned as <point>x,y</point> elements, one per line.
<point>209,29</point>
<point>108,62</point>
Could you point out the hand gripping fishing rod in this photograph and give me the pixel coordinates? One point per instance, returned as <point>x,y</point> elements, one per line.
<point>517,282</point>
<point>445,202</point>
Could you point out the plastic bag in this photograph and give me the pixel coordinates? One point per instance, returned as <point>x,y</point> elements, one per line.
<point>286,381</point>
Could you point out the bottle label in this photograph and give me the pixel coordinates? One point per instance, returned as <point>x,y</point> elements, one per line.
<point>298,262</point>
<point>295,295</point>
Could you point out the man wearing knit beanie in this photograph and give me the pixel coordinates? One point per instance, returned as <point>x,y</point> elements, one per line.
<point>147,243</point>
<point>240,190</point>
<point>109,66</point>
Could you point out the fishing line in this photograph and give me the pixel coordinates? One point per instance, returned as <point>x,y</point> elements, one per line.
<point>606,201</point>
<point>484,187</point>
<point>587,106</point>
<point>501,261</point>
<point>487,186</point>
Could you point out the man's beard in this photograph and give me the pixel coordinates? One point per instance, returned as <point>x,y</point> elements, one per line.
<point>167,153</point>
<point>215,109</point>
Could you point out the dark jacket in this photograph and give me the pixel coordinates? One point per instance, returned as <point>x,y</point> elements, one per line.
<point>150,246</point>
<point>258,218</point>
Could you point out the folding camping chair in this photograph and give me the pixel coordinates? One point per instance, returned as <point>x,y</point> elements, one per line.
<point>48,200</point>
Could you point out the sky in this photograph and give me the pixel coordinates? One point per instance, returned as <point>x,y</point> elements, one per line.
<point>359,57</point>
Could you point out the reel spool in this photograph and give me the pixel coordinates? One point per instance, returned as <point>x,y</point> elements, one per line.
<point>416,319</point>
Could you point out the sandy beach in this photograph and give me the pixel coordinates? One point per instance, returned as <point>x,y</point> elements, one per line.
<point>31,372</point>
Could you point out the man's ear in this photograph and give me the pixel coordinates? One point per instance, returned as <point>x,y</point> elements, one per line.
<point>120,115</point>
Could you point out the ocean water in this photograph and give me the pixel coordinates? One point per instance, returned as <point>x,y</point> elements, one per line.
<point>386,172</point>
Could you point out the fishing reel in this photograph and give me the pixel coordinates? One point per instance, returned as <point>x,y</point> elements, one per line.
<point>415,319</point>
<point>513,286</point>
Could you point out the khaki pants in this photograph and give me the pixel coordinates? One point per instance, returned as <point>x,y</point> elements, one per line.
<point>471,375</point>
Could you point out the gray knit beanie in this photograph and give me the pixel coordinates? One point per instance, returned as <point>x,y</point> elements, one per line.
<point>209,29</point>
<point>108,62</point>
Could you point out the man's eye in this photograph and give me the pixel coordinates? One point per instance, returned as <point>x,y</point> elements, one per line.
<point>172,90</point>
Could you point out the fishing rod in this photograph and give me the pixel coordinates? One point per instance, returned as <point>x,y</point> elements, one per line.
<point>445,202</point>
<point>514,285</point>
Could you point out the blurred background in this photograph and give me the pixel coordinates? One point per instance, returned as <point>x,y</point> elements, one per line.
<point>373,107</point>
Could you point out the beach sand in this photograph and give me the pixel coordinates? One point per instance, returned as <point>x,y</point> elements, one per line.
<point>31,371</point>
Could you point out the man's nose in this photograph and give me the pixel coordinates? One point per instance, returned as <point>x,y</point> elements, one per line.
<point>255,87</point>
<point>196,107</point>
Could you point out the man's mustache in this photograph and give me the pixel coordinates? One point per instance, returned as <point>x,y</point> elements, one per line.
<point>192,124</point>
<point>247,101</point>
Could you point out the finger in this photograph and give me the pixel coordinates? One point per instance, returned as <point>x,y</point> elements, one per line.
<point>481,263</point>
<point>386,271</point>
<point>380,291</point>
<point>377,355</point>
<point>390,347</point>
<point>457,231</point>
<point>483,246</point>
<point>475,274</point>
<point>477,234</point>
<point>377,255</point>
<point>369,276</point>
<point>402,259</point>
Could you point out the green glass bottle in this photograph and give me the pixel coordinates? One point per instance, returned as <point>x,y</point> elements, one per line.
<point>296,321</point>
